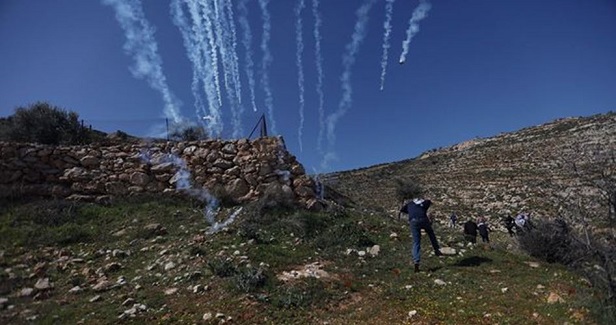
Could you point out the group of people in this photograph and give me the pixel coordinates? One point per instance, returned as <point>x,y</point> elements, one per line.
<point>417,210</point>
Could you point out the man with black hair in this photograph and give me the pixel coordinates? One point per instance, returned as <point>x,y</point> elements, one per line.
<point>417,211</point>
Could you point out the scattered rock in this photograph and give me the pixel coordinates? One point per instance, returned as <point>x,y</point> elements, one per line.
<point>26,292</point>
<point>96,298</point>
<point>43,284</point>
<point>374,250</point>
<point>449,251</point>
<point>207,316</point>
<point>75,289</point>
<point>412,313</point>
<point>170,291</point>
<point>170,266</point>
<point>440,282</point>
<point>554,298</point>
<point>119,253</point>
<point>119,233</point>
<point>393,235</point>
<point>128,301</point>
<point>503,290</point>
<point>3,302</point>
<point>112,267</point>
<point>102,285</point>
<point>533,264</point>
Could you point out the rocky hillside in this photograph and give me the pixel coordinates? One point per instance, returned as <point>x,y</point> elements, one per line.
<point>537,169</point>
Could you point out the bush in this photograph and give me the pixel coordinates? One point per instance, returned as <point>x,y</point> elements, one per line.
<point>249,279</point>
<point>407,189</point>
<point>556,242</point>
<point>552,242</point>
<point>222,267</point>
<point>44,123</point>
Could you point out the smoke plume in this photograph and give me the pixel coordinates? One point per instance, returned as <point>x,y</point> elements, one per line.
<point>266,62</point>
<point>299,40</point>
<point>247,42</point>
<point>319,64</point>
<point>142,46</point>
<point>418,14</point>
<point>348,60</point>
<point>389,9</point>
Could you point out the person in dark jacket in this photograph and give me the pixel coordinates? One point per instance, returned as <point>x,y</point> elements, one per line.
<point>483,230</point>
<point>417,211</point>
<point>470,231</point>
<point>509,224</point>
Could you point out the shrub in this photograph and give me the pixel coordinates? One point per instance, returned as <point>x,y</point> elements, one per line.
<point>406,189</point>
<point>222,267</point>
<point>556,242</point>
<point>44,123</point>
<point>249,279</point>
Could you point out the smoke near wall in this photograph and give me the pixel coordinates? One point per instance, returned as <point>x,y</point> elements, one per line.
<point>210,32</point>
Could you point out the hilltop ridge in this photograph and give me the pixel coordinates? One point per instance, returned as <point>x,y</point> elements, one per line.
<point>532,169</point>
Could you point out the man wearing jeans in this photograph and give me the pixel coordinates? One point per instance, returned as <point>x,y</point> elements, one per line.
<point>417,210</point>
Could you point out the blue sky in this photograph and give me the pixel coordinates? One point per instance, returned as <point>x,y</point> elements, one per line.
<point>475,68</point>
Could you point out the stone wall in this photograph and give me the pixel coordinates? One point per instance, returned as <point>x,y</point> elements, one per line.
<point>242,170</point>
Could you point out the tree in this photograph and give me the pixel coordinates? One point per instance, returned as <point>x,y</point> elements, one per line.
<point>408,189</point>
<point>43,123</point>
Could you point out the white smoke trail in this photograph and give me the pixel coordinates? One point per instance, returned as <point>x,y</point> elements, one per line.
<point>266,62</point>
<point>319,64</point>
<point>141,45</point>
<point>235,62</point>
<point>217,13</point>
<point>299,40</point>
<point>389,9</point>
<point>232,63</point>
<point>200,12</point>
<point>418,14</point>
<point>196,50</point>
<point>247,42</point>
<point>348,60</point>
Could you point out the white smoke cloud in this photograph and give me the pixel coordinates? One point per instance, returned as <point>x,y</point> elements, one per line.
<point>348,60</point>
<point>142,46</point>
<point>247,42</point>
<point>266,62</point>
<point>418,14</point>
<point>320,76</point>
<point>299,40</point>
<point>389,9</point>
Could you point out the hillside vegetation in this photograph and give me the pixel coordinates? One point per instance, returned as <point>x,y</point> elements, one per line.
<point>155,260</point>
<point>152,261</point>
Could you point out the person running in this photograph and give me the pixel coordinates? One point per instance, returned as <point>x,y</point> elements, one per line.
<point>483,230</point>
<point>417,211</point>
<point>452,220</point>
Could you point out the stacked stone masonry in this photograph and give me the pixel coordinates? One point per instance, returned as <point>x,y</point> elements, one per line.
<point>243,170</point>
